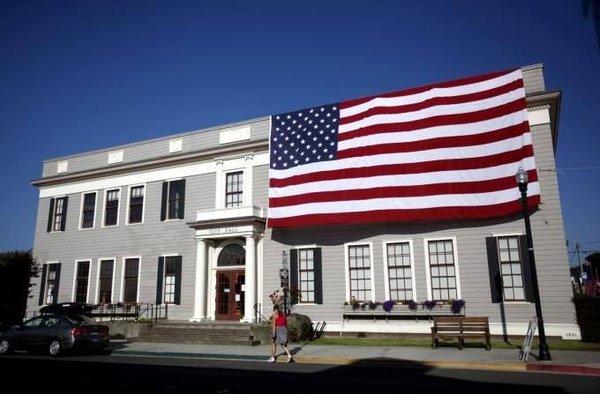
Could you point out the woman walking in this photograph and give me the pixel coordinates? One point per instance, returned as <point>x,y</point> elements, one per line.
<point>279,334</point>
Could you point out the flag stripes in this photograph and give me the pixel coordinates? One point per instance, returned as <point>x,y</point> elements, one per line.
<point>441,152</point>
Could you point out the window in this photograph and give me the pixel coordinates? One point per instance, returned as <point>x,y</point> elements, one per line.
<point>130,279</point>
<point>136,204</point>
<point>232,254</point>
<point>359,264</point>
<point>170,280</point>
<point>399,270</point>
<point>106,281</point>
<point>50,287</point>
<point>82,281</point>
<point>306,275</point>
<point>111,212</point>
<point>234,188</point>
<point>49,284</point>
<point>33,323</point>
<point>442,270</point>
<point>88,210</point>
<point>173,200</point>
<point>510,268</point>
<point>57,217</point>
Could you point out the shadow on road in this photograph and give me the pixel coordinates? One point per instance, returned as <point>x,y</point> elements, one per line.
<point>113,375</point>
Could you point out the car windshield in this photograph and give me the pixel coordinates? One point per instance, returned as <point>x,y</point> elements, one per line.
<point>80,319</point>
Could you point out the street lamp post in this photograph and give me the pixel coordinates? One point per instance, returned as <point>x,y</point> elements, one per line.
<point>284,275</point>
<point>522,180</point>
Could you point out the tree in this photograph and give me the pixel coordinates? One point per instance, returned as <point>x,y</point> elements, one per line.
<point>16,270</point>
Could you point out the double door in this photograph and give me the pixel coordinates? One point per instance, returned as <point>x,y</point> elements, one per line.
<point>230,295</point>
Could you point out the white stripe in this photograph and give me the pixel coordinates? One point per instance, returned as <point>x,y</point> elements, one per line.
<point>406,157</point>
<point>434,92</point>
<point>426,178</point>
<point>395,203</point>
<point>450,109</point>
<point>436,132</point>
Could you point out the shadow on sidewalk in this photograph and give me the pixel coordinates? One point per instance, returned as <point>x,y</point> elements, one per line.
<point>202,376</point>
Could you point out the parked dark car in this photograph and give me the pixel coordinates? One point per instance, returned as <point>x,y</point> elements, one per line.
<point>56,333</point>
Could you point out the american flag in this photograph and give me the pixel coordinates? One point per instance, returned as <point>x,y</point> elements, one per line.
<point>448,151</point>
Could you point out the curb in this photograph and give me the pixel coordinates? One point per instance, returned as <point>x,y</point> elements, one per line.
<point>568,369</point>
<point>206,356</point>
<point>408,364</point>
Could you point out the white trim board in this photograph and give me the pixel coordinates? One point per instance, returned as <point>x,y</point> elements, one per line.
<point>159,174</point>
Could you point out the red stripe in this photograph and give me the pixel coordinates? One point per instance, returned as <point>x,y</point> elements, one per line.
<point>414,215</point>
<point>448,84</point>
<point>486,186</point>
<point>439,120</point>
<point>435,101</point>
<point>408,168</point>
<point>437,143</point>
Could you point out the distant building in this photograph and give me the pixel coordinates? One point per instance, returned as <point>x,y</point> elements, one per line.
<point>180,220</point>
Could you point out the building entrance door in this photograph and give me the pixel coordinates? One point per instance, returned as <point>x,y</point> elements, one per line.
<point>230,295</point>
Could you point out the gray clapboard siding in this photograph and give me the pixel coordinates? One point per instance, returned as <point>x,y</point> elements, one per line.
<point>157,148</point>
<point>148,240</point>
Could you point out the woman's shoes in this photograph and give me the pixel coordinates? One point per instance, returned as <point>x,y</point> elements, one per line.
<point>271,360</point>
<point>290,359</point>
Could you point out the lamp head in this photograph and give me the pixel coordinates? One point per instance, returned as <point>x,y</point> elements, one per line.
<point>522,177</point>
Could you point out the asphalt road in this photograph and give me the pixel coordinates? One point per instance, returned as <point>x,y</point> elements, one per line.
<point>116,373</point>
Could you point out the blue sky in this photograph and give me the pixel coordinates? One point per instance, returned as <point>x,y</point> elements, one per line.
<point>78,76</point>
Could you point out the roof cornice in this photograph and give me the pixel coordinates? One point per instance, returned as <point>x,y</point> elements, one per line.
<point>205,154</point>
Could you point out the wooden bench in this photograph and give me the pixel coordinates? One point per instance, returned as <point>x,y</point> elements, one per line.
<point>460,328</point>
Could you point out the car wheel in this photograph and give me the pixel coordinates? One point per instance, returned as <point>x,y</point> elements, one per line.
<point>54,347</point>
<point>4,346</point>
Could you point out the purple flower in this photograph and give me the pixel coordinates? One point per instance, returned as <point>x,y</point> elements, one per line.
<point>388,305</point>
<point>457,306</point>
<point>429,304</point>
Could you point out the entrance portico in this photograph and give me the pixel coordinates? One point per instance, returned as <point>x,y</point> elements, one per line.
<point>226,285</point>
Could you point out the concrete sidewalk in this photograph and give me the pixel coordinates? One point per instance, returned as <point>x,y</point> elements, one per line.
<point>445,357</point>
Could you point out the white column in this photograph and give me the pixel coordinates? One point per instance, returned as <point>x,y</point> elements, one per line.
<point>200,290</point>
<point>250,285</point>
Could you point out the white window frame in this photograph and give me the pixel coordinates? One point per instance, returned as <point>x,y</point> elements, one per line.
<point>224,196</point>
<point>122,294</point>
<point>127,223</point>
<point>167,202</point>
<point>112,288</point>
<point>52,230</point>
<point>224,167</point>
<point>104,207</point>
<point>386,268</point>
<point>347,267</point>
<point>95,210</point>
<point>164,277</point>
<point>298,247</point>
<point>428,267</point>
<point>45,285</point>
<point>514,234</point>
<point>75,272</point>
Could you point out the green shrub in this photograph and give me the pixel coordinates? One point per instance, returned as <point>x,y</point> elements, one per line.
<point>588,317</point>
<point>299,328</point>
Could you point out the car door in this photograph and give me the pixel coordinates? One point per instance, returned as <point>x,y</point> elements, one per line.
<point>48,329</point>
<point>26,332</point>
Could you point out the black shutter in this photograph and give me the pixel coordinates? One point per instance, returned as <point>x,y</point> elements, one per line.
<point>526,269</point>
<point>494,268</point>
<point>163,201</point>
<point>318,275</point>
<point>50,217</point>
<point>43,284</point>
<point>181,207</point>
<point>294,289</point>
<point>177,260</point>
<point>56,283</point>
<point>159,280</point>
<point>63,220</point>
